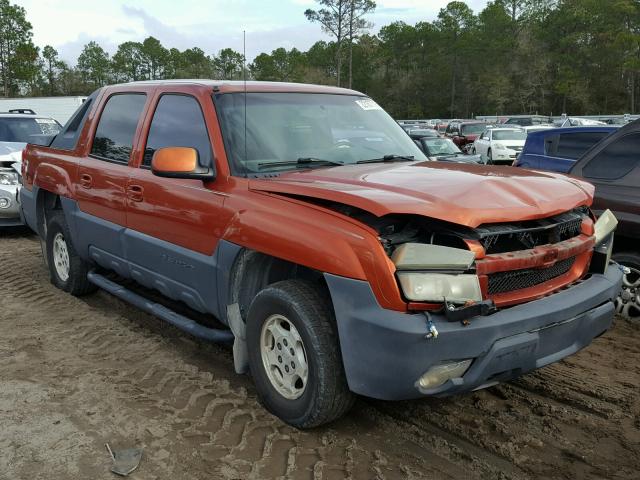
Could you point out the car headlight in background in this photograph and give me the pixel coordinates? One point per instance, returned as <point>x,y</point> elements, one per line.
<point>413,260</point>
<point>8,178</point>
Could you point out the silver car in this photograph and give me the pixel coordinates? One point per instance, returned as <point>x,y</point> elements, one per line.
<point>16,130</point>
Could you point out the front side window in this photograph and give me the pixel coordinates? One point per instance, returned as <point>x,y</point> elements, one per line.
<point>178,122</point>
<point>615,160</point>
<point>283,129</point>
<point>117,127</point>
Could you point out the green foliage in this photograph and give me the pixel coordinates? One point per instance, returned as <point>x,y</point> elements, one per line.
<point>514,56</point>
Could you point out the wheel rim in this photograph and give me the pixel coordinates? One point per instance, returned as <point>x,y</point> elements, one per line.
<point>61,257</point>
<point>284,357</point>
<point>628,302</point>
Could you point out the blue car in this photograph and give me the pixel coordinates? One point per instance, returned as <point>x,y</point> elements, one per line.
<point>557,149</point>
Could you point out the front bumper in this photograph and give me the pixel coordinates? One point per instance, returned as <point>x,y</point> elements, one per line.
<point>385,352</point>
<point>10,216</point>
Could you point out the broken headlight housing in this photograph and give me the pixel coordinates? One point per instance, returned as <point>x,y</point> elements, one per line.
<point>434,273</point>
<point>8,178</point>
<point>604,228</point>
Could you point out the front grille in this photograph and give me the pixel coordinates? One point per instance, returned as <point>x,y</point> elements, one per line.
<point>511,237</point>
<point>502,282</point>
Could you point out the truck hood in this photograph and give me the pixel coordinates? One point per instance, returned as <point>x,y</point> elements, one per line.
<point>465,194</point>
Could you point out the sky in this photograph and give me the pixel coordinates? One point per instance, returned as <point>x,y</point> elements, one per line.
<point>212,25</point>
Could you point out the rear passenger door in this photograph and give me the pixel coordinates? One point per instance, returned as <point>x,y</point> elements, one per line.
<point>102,178</point>
<point>174,224</point>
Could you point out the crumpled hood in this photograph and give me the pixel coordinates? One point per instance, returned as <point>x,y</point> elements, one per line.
<point>465,194</point>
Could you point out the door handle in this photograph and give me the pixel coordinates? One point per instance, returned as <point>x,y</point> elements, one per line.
<point>135,193</point>
<point>86,181</point>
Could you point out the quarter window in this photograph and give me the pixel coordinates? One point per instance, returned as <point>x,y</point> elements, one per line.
<point>573,145</point>
<point>615,160</point>
<point>178,122</point>
<point>114,136</point>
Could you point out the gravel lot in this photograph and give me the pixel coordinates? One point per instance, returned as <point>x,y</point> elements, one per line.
<point>76,373</point>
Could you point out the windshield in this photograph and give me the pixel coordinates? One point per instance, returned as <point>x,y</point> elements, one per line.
<point>284,127</point>
<point>509,135</point>
<point>473,128</point>
<point>441,146</point>
<point>423,132</point>
<point>27,130</point>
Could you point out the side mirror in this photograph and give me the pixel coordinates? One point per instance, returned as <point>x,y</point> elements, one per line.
<point>179,162</point>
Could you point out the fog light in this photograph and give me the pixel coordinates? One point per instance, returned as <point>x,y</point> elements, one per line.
<point>439,374</point>
<point>5,203</point>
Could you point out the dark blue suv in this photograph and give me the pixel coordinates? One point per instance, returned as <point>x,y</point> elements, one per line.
<point>557,149</point>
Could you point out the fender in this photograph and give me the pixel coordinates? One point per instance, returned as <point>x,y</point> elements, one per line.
<point>316,238</point>
<point>53,178</point>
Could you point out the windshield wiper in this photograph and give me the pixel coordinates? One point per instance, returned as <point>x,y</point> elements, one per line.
<point>390,158</point>
<point>300,161</point>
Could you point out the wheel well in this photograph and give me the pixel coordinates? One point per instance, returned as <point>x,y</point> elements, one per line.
<point>45,203</point>
<point>253,271</point>
<point>625,244</point>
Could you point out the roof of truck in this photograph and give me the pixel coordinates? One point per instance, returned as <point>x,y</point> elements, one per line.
<point>251,86</point>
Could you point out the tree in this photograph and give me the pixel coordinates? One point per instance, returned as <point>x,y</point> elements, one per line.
<point>154,57</point>
<point>52,65</point>
<point>127,62</point>
<point>94,64</point>
<point>455,22</point>
<point>333,18</point>
<point>228,64</point>
<point>15,39</point>
<point>356,25</point>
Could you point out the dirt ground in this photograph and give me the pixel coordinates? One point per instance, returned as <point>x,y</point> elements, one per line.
<point>77,373</point>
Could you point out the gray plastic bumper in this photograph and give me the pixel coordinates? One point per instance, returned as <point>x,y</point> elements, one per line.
<point>385,352</point>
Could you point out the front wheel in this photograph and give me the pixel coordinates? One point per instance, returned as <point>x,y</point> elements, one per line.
<point>294,354</point>
<point>67,270</point>
<point>628,301</point>
<point>489,156</point>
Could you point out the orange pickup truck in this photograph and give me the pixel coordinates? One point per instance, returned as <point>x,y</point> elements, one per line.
<point>301,224</point>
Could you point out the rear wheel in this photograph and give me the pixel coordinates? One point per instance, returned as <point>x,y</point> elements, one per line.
<point>628,302</point>
<point>294,355</point>
<point>67,270</point>
<point>489,156</point>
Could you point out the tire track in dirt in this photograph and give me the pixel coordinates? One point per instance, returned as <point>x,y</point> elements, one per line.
<point>180,398</point>
<point>151,369</point>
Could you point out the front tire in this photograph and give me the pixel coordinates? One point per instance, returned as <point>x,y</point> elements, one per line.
<point>628,301</point>
<point>67,270</point>
<point>294,355</point>
<point>489,157</point>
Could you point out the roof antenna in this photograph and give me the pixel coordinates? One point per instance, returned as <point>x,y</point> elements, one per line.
<point>244,77</point>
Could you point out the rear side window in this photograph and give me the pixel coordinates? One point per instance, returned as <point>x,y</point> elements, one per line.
<point>573,145</point>
<point>615,160</point>
<point>114,136</point>
<point>178,122</point>
<point>67,139</point>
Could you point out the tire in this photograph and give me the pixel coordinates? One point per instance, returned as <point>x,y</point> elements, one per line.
<point>628,302</point>
<point>67,270</point>
<point>324,395</point>
<point>489,159</point>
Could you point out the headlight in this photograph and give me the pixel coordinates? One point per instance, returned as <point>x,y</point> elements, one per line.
<point>436,287</point>
<point>411,261</point>
<point>605,225</point>
<point>8,178</point>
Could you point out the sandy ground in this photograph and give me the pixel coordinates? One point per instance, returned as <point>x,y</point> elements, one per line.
<point>76,373</point>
